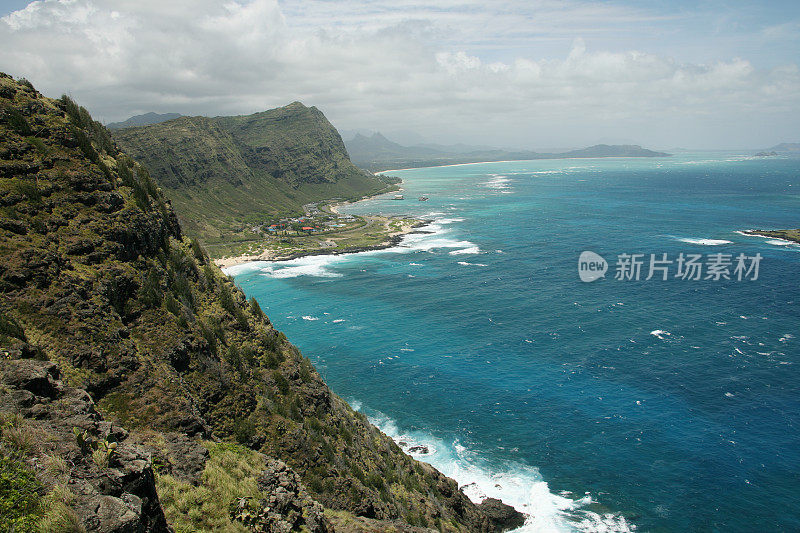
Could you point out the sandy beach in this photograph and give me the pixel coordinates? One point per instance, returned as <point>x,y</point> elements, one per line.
<point>391,238</point>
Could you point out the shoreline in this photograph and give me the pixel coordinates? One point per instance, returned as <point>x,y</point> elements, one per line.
<point>391,239</point>
<point>520,161</point>
<point>789,236</point>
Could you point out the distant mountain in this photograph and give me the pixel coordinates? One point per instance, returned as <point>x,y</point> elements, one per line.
<point>376,152</point>
<point>143,120</point>
<point>225,173</point>
<point>786,147</point>
<point>612,150</point>
<point>173,383</point>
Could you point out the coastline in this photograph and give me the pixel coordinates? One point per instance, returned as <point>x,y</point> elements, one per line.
<point>392,237</point>
<point>790,236</point>
<point>518,161</point>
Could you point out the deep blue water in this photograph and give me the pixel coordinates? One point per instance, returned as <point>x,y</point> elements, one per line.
<point>651,405</point>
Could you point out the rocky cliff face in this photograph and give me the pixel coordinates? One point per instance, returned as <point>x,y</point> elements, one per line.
<point>103,480</point>
<point>223,172</point>
<point>97,275</point>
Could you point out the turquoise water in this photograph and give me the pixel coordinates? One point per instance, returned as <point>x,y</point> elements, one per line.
<point>606,406</point>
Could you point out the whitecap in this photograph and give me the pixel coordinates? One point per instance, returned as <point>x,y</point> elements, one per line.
<point>464,263</point>
<point>467,250</point>
<point>516,484</point>
<point>315,265</point>
<point>338,320</point>
<point>704,242</point>
<point>660,333</point>
<point>310,318</point>
<point>244,268</point>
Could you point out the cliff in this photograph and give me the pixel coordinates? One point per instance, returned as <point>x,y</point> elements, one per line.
<point>225,174</point>
<point>98,278</point>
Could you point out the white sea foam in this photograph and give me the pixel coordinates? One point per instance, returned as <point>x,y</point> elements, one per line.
<point>338,320</point>
<point>311,318</point>
<point>704,242</point>
<point>464,263</point>
<point>244,268</point>
<point>425,242</point>
<point>516,484</point>
<point>314,265</point>
<point>467,250</point>
<point>660,333</point>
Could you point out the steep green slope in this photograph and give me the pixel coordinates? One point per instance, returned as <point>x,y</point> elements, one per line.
<point>96,273</point>
<point>225,174</point>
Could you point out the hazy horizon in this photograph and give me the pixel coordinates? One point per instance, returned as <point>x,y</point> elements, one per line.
<point>534,75</point>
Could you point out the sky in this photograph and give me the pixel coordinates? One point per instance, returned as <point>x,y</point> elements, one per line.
<point>533,74</point>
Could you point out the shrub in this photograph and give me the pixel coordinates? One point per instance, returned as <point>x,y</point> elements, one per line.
<point>281,382</point>
<point>172,305</point>
<point>9,327</point>
<point>243,430</point>
<point>150,292</point>
<point>17,122</point>
<point>198,251</point>
<point>209,336</point>
<point>255,309</point>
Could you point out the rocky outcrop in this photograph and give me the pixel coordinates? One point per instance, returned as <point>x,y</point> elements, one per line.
<point>501,517</point>
<point>110,478</point>
<point>284,507</point>
<point>97,271</point>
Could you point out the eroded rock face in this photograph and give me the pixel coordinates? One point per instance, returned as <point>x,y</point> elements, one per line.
<point>114,492</point>
<point>503,517</point>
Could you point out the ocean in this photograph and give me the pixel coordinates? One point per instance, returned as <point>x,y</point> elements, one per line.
<point>612,405</point>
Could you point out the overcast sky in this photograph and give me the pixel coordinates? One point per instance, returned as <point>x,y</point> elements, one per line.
<point>531,73</point>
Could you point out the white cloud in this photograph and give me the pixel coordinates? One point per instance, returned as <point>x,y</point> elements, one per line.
<point>452,72</point>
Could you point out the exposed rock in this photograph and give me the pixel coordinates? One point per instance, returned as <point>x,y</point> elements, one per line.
<point>133,313</point>
<point>110,477</point>
<point>176,454</point>
<point>502,516</point>
<point>286,506</point>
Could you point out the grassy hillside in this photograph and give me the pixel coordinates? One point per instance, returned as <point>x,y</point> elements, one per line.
<point>225,174</point>
<point>97,276</point>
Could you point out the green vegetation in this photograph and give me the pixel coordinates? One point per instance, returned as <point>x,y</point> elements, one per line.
<point>99,277</point>
<point>26,505</point>
<point>225,175</point>
<point>785,234</point>
<point>229,474</point>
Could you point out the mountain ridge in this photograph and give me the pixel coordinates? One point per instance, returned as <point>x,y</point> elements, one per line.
<point>377,153</point>
<point>224,174</point>
<point>143,120</point>
<point>98,277</point>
